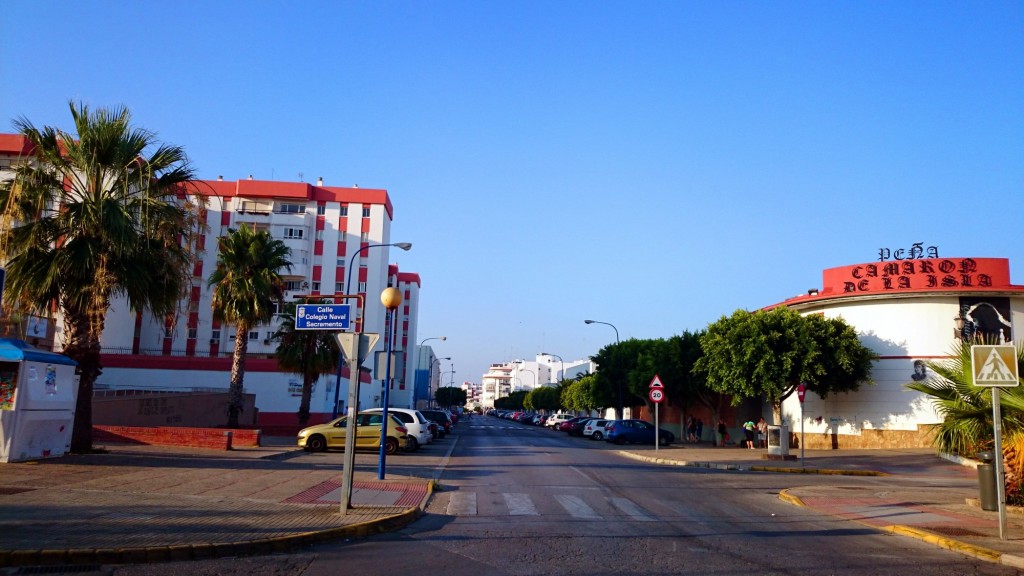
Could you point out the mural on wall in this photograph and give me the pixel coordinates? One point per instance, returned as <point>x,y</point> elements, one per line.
<point>920,371</point>
<point>985,318</point>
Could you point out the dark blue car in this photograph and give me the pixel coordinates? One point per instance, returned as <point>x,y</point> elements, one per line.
<point>635,431</point>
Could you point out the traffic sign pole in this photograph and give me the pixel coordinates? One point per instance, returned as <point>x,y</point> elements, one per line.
<point>657,394</point>
<point>995,366</point>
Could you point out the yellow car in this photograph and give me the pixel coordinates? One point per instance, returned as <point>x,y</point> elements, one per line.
<point>332,434</point>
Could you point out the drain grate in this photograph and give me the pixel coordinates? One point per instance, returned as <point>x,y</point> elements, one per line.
<point>8,490</point>
<point>951,531</point>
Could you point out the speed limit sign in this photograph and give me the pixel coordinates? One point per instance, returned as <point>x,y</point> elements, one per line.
<point>657,395</point>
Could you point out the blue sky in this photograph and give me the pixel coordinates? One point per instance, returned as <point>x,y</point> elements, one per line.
<point>654,165</point>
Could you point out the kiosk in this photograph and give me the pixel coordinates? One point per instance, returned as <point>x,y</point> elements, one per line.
<point>38,391</point>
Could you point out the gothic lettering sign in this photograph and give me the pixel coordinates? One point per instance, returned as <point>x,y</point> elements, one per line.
<point>925,274</point>
<point>916,251</point>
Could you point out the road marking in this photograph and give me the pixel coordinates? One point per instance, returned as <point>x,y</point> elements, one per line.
<point>632,510</point>
<point>520,505</point>
<point>462,504</point>
<point>576,507</point>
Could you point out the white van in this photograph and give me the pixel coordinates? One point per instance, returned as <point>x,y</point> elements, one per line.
<point>415,421</point>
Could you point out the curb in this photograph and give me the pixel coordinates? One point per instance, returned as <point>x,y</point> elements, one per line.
<point>979,552</point>
<point>735,467</point>
<point>182,552</point>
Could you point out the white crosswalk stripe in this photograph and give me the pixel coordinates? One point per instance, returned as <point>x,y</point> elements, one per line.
<point>462,504</point>
<point>576,507</point>
<point>520,505</point>
<point>632,510</point>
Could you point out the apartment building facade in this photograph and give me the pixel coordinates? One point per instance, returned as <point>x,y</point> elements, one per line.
<point>338,238</point>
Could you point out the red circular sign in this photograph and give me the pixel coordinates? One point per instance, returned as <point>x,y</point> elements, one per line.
<point>800,391</point>
<point>656,395</point>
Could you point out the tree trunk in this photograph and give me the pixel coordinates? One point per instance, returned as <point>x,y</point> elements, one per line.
<point>237,374</point>
<point>81,346</point>
<point>777,412</point>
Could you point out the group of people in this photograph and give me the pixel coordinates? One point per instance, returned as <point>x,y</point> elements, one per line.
<point>751,430</point>
<point>760,429</point>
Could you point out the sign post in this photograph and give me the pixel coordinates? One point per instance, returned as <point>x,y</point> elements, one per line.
<point>801,390</point>
<point>354,346</point>
<point>996,367</point>
<point>657,394</point>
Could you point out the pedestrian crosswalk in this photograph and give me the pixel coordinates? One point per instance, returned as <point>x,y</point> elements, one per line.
<point>593,507</point>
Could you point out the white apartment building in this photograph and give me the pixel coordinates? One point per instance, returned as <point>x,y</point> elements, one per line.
<point>334,234</point>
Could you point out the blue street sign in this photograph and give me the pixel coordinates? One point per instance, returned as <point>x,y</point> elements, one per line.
<point>322,317</point>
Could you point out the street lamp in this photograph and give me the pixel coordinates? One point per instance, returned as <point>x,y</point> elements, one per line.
<point>619,382</point>
<point>560,360</point>
<point>430,378</point>
<point>391,298</point>
<point>337,383</point>
<point>531,373</point>
<point>441,380</point>
<point>414,391</point>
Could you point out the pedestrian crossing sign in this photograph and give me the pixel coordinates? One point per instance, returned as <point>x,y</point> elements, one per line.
<point>994,366</point>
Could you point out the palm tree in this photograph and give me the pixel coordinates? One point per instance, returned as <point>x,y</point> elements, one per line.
<point>308,353</point>
<point>246,284</point>
<point>967,413</point>
<point>92,220</point>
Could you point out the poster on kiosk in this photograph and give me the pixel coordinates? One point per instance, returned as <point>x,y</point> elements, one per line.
<point>38,390</point>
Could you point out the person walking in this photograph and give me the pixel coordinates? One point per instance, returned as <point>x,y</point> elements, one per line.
<point>723,432</point>
<point>691,430</point>
<point>700,429</point>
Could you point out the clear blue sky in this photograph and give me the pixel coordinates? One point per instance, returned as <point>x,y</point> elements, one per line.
<point>654,165</point>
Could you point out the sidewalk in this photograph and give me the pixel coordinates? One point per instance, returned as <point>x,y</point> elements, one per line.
<point>151,504</point>
<point>914,492</point>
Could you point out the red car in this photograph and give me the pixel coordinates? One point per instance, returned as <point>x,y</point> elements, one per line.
<point>573,425</point>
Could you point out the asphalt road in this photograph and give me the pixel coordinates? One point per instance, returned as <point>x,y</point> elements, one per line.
<point>520,500</point>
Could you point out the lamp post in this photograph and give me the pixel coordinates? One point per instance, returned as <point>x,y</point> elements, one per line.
<point>619,382</point>
<point>441,380</point>
<point>414,391</point>
<point>337,384</point>
<point>531,373</point>
<point>562,377</point>
<point>430,379</point>
<point>391,298</point>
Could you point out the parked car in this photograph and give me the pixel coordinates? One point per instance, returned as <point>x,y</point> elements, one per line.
<point>444,422</point>
<point>332,434</point>
<point>638,431</point>
<point>416,422</point>
<point>572,425</point>
<point>555,420</point>
<point>594,428</point>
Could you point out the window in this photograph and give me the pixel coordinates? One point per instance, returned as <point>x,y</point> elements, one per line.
<point>295,233</point>
<point>341,262</point>
<point>362,287</point>
<point>316,286</point>
<point>339,287</point>
<point>215,335</point>
<point>366,211</point>
<point>293,285</point>
<point>321,209</point>
<point>279,307</point>
<point>344,209</point>
<point>291,209</point>
<point>193,333</point>
<point>254,335</point>
<point>364,237</point>
<point>319,234</point>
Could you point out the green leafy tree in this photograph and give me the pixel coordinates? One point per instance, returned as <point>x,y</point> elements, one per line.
<point>966,410</point>
<point>768,354</point>
<point>513,401</point>
<point>450,396</point>
<point>246,284</point>
<point>308,353</point>
<point>615,362</point>
<point>544,398</point>
<point>101,214</point>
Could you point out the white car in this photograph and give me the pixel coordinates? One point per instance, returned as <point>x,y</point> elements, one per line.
<point>555,419</point>
<point>594,428</point>
<point>415,421</point>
